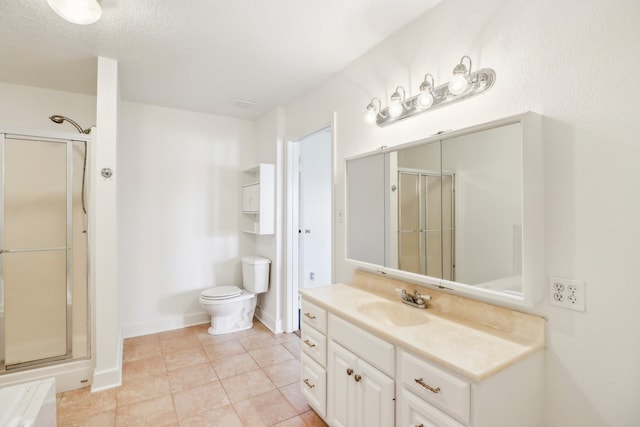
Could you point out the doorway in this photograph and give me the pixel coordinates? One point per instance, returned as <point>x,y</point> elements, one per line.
<point>310,225</point>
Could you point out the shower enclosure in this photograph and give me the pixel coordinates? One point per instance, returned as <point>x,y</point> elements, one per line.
<point>43,251</point>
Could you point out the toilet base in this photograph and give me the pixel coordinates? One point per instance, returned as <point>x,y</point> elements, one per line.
<point>238,320</point>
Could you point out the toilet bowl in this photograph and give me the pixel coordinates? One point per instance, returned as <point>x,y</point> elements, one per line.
<point>232,308</point>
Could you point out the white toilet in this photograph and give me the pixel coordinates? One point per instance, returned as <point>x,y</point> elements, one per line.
<point>231,308</point>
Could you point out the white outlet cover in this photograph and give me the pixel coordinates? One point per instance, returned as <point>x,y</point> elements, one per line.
<point>567,293</point>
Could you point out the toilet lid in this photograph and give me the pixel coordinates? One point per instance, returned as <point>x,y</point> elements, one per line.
<point>221,292</point>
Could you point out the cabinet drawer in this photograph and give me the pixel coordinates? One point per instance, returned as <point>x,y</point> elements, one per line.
<point>374,350</point>
<point>314,344</point>
<point>434,385</point>
<point>313,383</point>
<point>413,411</point>
<point>314,316</point>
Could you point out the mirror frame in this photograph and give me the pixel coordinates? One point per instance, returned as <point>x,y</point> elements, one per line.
<point>532,217</point>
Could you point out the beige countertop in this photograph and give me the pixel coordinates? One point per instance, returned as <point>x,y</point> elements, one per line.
<point>471,338</point>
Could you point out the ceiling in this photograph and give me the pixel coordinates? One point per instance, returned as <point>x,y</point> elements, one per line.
<point>198,55</point>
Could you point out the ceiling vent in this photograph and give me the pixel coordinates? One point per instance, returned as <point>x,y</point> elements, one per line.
<point>243,103</point>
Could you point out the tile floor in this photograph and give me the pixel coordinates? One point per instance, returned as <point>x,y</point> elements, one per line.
<point>190,378</point>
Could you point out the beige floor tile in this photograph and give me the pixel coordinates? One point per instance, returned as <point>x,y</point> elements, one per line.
<point>294,395</point>
<point>248,384</point>
<point>224,416</point>
<point>199,400</point>
<point>153,412</point>
<point>191,376</point>
<point>312,419</point>
<point>143,388</point>
<point>141,347</point>
<point>256,341</point>
<point>184,358</point>
<point>286,337</point>
<point>269,355</point>
<point>223,350</point>
<point>264,409</point>
<point>293,347</point>
<point>283,373</point>
<point>205,338</point>
<point>180,343</point>
<point>102,419</point>
<point>177,333</point>
<point>292,422</point>
<point>152,366</point>
<point>187,377</point>
<point>234,365</point>
<point>257,328</point>
<point>84,402</point>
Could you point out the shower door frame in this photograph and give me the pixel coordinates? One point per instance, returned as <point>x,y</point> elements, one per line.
<point>422,219</point>
<point>50,137</point>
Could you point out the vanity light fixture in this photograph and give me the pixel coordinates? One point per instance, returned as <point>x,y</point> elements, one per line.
<point>463,85</point>
<point>81,12</point>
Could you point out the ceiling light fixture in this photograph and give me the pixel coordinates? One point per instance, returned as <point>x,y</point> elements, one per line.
<point>464,84</point>
<point>81,12</point>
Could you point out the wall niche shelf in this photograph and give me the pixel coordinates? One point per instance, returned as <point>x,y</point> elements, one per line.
<point>258,199</point>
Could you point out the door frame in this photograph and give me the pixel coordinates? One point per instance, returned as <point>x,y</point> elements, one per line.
<point>292,247</point>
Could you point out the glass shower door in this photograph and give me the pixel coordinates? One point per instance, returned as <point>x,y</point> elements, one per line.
<point>36,250</point>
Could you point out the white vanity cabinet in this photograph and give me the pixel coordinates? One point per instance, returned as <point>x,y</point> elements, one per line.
<point>361,389</point>
<point>313,361</point>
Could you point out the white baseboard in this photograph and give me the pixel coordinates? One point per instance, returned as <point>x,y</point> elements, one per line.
<point>164,324</point>
<point>267,320</point>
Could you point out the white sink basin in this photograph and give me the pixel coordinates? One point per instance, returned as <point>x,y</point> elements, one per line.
<point>393,314</point>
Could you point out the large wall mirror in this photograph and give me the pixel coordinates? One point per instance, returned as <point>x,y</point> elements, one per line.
<point>461,211</point>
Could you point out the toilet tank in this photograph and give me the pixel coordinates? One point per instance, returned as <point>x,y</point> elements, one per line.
<point>255,274</point>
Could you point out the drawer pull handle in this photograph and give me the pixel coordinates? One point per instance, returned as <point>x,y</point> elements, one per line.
<point>309,343</point>
<point>310,316</point>
<point>357,378</point>
<point>419,425</point>
<point>427,386</point>
<point>349,371</point>
<point>306,381</point>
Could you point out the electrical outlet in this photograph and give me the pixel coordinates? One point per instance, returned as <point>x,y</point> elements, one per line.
<point>567,293</point>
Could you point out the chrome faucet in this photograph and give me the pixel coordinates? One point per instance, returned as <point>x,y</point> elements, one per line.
<point>415,300</point>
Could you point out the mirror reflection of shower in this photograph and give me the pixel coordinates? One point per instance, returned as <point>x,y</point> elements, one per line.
<point>56,118</point>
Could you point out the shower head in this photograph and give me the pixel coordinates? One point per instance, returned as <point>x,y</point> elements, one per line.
<point>59,119</point>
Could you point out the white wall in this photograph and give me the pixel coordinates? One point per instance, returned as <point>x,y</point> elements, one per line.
<point>178,212</point>
<point>573,62</point>
<point>269,149</point>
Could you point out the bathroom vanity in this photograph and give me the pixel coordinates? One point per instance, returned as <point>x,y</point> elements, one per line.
<point>457,218</point>
<point>370,360</point>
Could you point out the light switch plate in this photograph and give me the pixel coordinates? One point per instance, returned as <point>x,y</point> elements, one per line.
<point>567,293</point>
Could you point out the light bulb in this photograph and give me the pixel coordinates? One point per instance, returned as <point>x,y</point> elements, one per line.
<point>370,115</point>
<point>424,100</point>
<point>82,12</point>
<point>458,84</point>
<point>395,108</point>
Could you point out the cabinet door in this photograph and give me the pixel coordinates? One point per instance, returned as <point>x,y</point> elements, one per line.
<point>341,393</point>
<point>375,393</point>
<point>251,198</point>
<point>413,411</point>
